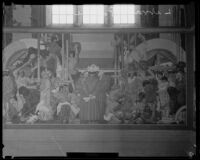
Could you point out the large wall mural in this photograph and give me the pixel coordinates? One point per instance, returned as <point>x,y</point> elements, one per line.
<point>149,89</point>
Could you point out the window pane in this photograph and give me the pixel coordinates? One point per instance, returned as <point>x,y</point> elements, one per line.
<point>116,19</point>
<point>93,10</point>
<point>60,12</point>
<point>116,9</point>
<point>123,19</point>
<point>123,9</point>
<point>55,9</point>
<point>63,9</point>
<point>100,19</point>
<point>126,13</point>
<point>131,18</point>
<point>86,9</point>
<point>55,19</point>
<point>92,19</point>
<point>86,19</point>
<point>131,9</point>
<point>100,10</point>
<point>93,14</point>
<point>63,19</point>
<point>70,19</point>
<point>69,9</point>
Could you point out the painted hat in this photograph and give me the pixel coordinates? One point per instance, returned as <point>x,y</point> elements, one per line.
<point>93,68</point>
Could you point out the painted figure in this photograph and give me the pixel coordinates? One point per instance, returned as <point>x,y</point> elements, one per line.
<point>9,90</point>
<point>164,96</point>
<point>44,108</point>
<point>73,61</point>
<point>93,97</point>
<point>30,99</point>
<point>67,109</point>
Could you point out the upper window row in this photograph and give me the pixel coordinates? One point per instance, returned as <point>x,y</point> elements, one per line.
<point>92,14</point>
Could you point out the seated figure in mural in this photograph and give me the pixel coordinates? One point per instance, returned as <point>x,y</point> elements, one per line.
<point>23,80</point>
<point>150,90</point>
<point>92,97</point>
<point>113,114</point>
<point>67,108</point>
<point>134,86</point>
<point>140,106</point>
<point>111,104</point>
<point>30,98</point>
<point>55,83</point>
<point>140,102</point>
<point>13,110</point>
<point>44,109</point>
<point>119,103</point>
<point>177,88</point>
<point>124,110</point>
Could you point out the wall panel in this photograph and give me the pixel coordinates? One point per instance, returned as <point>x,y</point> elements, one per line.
<point>45,142</point>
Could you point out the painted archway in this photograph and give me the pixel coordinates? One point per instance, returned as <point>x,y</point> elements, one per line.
<point>163,47</point>
<point>15,53</point>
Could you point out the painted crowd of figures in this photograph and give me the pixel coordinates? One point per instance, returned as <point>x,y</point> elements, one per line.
<point>139,97</point>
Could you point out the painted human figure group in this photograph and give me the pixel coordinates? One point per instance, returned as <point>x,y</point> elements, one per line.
<point>54,100</point>
<point>147,97</point>
<point>139,97</point>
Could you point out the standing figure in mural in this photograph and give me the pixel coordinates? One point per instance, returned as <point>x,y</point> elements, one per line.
<point>73,61</point>
<point>44,109</point>
<point>92,97</point>
<point>134,86</point>
<point>53,60</point>
<point>181,84</point>
<point>77,49</point>
<point>9,91</point>
<point>116,43</point>
<point>55,47</point>
<point>173,92</point>
<point>181,87</point>
<point>163,95</point>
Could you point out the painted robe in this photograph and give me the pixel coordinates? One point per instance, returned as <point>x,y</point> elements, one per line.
<point>9,90</point>
<point>92,99</point>
<point>163,94</point>
<point>134,88</point>
<point>44,107</point>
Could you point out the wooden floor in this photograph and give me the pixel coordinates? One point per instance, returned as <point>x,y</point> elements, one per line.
<point>55,142</point>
